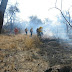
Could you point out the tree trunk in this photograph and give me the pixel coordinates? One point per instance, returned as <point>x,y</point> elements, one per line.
<point>2,10</point>
<point>1,21</point>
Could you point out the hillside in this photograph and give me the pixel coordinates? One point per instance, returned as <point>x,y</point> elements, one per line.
<point>21,53</point>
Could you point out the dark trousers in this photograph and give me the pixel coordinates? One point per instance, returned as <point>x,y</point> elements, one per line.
<point>31,33</point>
<point>26,33</point>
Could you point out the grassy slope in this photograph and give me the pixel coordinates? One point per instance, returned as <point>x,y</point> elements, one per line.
<point>18,53</point>
<point>21,53</point>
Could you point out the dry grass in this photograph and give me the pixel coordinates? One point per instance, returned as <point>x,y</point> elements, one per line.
<point>19,53</point>
<point>19,42</point>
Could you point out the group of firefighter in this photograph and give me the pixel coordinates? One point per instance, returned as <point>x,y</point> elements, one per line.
<point>38,30</point>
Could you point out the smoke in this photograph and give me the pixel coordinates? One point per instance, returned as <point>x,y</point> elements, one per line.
<point>54,29</point>
<point>35,22</point>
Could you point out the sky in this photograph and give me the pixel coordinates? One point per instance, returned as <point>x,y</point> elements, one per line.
<point>42,9</point>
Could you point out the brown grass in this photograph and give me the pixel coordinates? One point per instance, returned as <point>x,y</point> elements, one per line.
<point>21,51</point>
<point>19,42</point>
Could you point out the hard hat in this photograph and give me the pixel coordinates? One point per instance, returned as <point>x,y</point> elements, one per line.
<point>41,27</point>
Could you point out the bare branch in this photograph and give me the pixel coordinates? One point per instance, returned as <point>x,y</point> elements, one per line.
<point>66,26</point>
<point>69,16</point>
<point>51,8</point>
<point>55,3</point>
<point>62,15</point>
<point>61,4</point>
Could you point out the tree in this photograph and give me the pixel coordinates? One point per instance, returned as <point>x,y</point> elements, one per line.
<point>12,10</point>
<point>65,16</point>
<point>2,10</point>
<point>35,22</point>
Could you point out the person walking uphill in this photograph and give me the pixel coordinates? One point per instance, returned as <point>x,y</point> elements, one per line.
<point>31,31</point>
<point>26,30</point>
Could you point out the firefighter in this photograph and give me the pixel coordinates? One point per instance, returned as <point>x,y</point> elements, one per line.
<point>39,31</point>
<point>31,31</point>
<point>16,31</point>
<point>26,31</point>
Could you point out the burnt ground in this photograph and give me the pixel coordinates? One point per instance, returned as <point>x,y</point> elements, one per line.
<point>50,56</point>
<point>55,52</point>
<point>59,55</point>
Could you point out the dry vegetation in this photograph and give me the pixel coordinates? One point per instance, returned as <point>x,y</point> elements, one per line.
<point>21,53</point>
<point>18,42</point>
<point>18,53</point>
